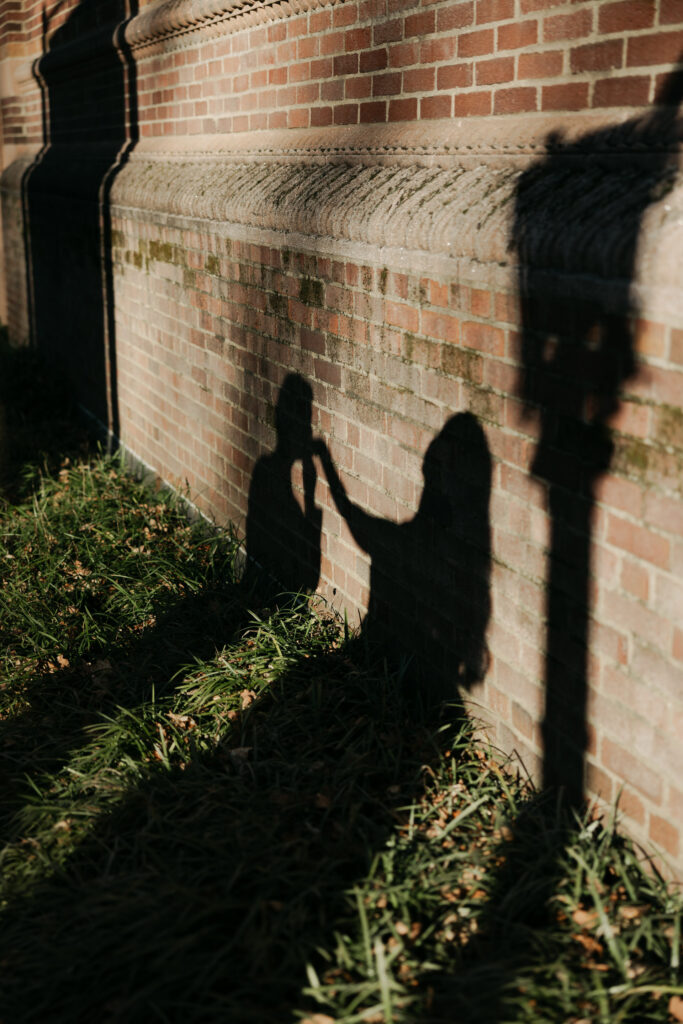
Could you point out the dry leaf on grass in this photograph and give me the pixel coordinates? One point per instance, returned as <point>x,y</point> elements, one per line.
<point>585,918</point>
<point>676,1007</point>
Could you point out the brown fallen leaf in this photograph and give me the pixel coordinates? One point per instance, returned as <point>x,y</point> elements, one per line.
<point>631,913</point>
<point>590,944</point>
<point>676,1007</point>
<point>247,697</point>
<point>585,918</point>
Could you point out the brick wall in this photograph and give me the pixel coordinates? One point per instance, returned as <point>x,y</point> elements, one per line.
<point>459,224</point>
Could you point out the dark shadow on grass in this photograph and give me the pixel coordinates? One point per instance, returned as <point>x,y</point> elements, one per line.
<point>207,889</point>
<point>578,219</point>
<point>39,426</point>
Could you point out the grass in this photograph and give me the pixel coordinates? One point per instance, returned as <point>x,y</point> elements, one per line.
<point>213,811</point>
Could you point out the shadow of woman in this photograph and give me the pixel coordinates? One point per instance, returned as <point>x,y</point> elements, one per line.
<point>429,602</point>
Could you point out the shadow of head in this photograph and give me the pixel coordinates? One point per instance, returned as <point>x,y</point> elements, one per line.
<point>293,416</point>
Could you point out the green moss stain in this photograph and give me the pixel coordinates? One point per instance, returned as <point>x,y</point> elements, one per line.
<point>669,426</point>
<point>631,458</point>
<point>161,251</point>
<point>212,264</point>
<point>311,291</point>
<point>383,275</point>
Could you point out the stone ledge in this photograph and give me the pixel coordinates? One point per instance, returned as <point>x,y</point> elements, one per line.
<point>170,19</point>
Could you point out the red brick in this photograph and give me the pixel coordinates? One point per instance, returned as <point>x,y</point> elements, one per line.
<point>636,580</point>
<point>572,96</point>
<point>401,316</point>
<point>474,44</point>
<point>480,302</point>
<point>357,39</point>
<point>333,90</point>
<point>514,101</point>
<point>624,765</point>
<point>403,110</point>
<point>638,541</point>
<point>597,56</point>
<point>345,14</point>
<point>372,113</point>
<point>421,24</point>
<point>321,116</point>
<point>631,805</point>
<point>440,326</point>
<point>544,64</point>
<point>483,338</point>
<point>625,91</point>
<point>626,16</point>
<point>373,60</point>
<point>435,106</point>
<point>494,10</point>
<point>298,118</point>
<point>388,84</point>
<point>598,782</point>
<point>346,64</point>
<point>655,48</point>
<point>434,50</point>
<point>517,35</point>
<point>472,104</point>
<point>567,26</point>
<point>664,834</point>
<point>490,72</point>
<point>455,15</point>
<point>459,76</point>
<point>346,113</point>
<point>670,12</point>
<point>401,54</point>
<point>419,80</point>
<point>357,88</point>
<point>330,373</point>
<point>332,42</point>
<point>388,31</point>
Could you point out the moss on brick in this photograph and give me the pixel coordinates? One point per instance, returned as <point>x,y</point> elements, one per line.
<point>669,426</point>
<point>212,264</point>
<point>311,291</point>
<point>161,251</point>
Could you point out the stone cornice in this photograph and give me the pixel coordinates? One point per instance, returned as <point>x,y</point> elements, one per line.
<point>528,136</point>
<point>590,212</point>
<point>171,19</point>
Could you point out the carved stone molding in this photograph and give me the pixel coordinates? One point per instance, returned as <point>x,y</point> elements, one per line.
<point>177,18</point>
<point>589,213</point>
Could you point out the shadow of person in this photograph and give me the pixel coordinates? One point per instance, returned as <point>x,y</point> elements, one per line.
<point>577,225</point>
<point>232,862</point>
<point>429,602</point>
<point>283,539</point>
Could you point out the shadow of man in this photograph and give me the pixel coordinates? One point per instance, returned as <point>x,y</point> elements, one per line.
<point>577,224</point>
<point>429,602</point>
<point>283,539</point>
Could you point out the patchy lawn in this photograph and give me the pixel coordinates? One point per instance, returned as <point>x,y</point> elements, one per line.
<point>215,812</point>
